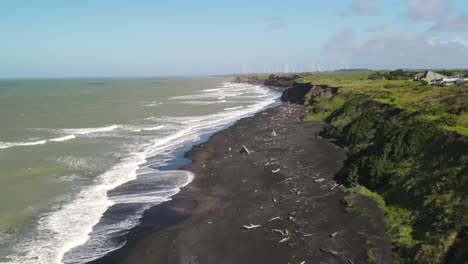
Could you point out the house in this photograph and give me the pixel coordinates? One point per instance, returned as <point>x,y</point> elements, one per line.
<point>436,78</point>
<point>450,80</point>
<point>430,76</point>
<point>418,76</point>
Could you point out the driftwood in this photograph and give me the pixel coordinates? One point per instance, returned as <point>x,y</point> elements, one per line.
<point>244,149</point>
<point>334,234</point>
<point>333,252</point>
<point>273,133</point>
<point>251,226</point>
<point>274,218</point>
<point>334,186</point>
<point>284,240</point>
<point>278,231</point>
<point>284,233</point>
<point>320,180</point>
<point>276,171</point>
<point>288,179</point>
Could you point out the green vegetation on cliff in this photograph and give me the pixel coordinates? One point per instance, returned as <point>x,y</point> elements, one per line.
<point>427,101</point>
<point>408,151</point>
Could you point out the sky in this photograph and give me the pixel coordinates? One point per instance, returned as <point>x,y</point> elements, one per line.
<point>122,38</point>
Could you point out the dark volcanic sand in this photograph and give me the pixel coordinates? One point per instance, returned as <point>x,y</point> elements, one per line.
<point>204,222</point>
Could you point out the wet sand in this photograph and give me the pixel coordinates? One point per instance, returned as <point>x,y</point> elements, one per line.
<point>284,190</point>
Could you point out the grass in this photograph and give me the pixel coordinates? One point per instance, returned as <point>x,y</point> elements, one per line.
<point>462,130</point>
<point>318,117</point>
<point>323,107</point>
<point>463,119</point>
<point>353,192</point>
<point>401,233</point>
<point>414,97</point>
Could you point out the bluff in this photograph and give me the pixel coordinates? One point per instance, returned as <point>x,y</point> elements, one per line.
<point>276,81</point>
<point>293,91</point>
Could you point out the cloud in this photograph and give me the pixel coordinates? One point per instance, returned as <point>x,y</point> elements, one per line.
<point>437,11</point>
<point>452,23</point>
<point>342,41</point>
<point>388,48</point>
<point>275,23</point>
<point>428,9</point>
<point>361,8</point>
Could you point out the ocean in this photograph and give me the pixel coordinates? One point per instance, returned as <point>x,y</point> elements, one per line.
<point>73,150</point>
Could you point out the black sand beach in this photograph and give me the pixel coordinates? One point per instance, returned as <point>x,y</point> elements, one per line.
<point>278,204</point>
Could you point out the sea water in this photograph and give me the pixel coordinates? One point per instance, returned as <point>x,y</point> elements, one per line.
<point>73,149</point>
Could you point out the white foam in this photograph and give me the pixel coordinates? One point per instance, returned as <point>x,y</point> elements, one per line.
<point>70,226</point>
<point>233,108</point>
<point>212,90</point>
<point>198,102</point>
<point>64,138</point>
<point>153,128</point>
<point>5,145</point>
<point>71,132</point>
<point>85,131</point>
<point>150,103</point>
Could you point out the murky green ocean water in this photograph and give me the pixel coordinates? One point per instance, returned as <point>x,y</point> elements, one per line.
<point>65,143</point>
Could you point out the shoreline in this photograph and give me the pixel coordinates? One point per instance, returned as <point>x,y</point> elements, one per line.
<point>204,222</point>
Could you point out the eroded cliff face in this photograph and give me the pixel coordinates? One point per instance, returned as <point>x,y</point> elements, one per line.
<point>306,93</point>
<point>296,93</point>
<point>278,81</point>
<point>293,91</point>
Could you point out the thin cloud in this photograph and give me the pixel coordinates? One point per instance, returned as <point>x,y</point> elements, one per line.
<point>452,23</point>
<point>342,41</point>
<point>275,23</point>
<point>428,9</point>
<point>390,48</point>
<point>440,13</point>
<point>361,8</point>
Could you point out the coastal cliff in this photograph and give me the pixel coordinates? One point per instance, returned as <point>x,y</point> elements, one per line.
<point>277,81</point>
<point>293,91</point>
<point>405,158</point>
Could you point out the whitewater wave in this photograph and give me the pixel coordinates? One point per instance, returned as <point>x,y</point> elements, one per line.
<point>64,138</point>
<point>70,134</point>
<point>4,145</point>
<point>233,108</point>
<point>91,130</point>
<point>153,128</point>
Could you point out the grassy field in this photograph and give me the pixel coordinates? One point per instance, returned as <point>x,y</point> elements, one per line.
<point>428,101</point>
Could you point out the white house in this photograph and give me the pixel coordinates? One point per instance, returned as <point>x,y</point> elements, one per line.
<point>436,78</point>
<point>430,76</point>
<point>453,80</point>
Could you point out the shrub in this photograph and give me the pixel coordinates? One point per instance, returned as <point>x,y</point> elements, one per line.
<point>353,175</point>
<point>448,120</point>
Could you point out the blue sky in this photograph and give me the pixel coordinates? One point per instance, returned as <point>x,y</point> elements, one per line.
<point>154,38</point>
